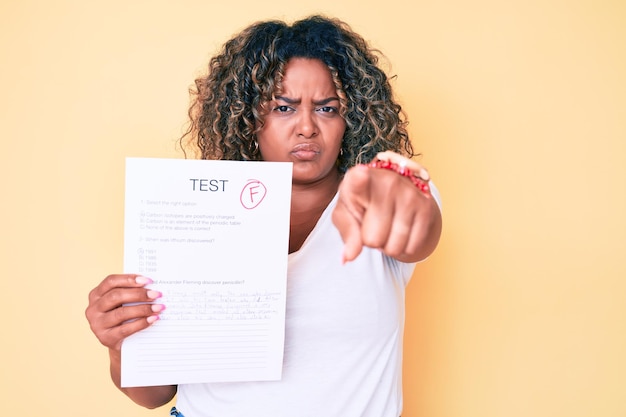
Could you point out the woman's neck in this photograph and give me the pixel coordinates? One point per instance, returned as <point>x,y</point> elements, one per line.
<point>308,202</point>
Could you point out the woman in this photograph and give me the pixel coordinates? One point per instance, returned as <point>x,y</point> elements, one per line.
<point>362,214</point>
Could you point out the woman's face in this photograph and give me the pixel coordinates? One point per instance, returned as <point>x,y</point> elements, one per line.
<point>302,124</point>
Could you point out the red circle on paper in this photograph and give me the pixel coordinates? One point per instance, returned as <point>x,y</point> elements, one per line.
<point>252,194</point>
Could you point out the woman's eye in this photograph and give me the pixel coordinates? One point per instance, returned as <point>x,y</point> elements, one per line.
<point>328,109</point>
<point>282,109</point>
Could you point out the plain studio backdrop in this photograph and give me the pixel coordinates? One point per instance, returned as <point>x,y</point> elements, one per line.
<point>518,109</point>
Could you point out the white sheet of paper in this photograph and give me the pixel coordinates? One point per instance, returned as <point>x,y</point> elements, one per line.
<point>213,235</point>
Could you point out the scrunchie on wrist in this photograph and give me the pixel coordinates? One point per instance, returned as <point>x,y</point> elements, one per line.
<point>403,166</point>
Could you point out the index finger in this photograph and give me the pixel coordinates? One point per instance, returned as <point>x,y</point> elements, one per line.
<point>350,230</point>
<point>119,281</point>
<point>354,190</point>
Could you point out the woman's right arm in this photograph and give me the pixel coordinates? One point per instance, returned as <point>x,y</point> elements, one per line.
<point>112,319</point>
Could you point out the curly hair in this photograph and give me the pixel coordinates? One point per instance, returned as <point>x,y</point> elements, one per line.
<point>226,107</point>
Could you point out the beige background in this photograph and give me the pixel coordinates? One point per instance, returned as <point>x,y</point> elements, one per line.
<point>518,107</point>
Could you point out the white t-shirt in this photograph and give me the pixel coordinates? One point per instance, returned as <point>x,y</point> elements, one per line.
<point>343,340</point>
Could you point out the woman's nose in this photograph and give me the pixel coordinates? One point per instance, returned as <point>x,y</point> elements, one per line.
<point>307,127</point>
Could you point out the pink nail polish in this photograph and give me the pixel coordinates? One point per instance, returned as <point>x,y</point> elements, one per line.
<point>152,294</point>
<point>157,308</point>
<point>152,319</point>
<point>141,280</point>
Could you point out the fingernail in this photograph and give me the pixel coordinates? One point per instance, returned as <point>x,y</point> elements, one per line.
<point>152,319</point>
<point>143,280</point>
<point>154,294</point>
<point>157,308</point>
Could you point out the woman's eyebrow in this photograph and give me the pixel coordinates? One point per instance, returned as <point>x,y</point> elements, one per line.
<point>289,100</point>
<point>325,101</point>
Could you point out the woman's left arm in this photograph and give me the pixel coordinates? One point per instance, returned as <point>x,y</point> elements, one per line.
<point>383,209</point>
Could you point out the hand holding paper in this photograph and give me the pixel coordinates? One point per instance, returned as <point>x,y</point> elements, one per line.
<point>213,236</point>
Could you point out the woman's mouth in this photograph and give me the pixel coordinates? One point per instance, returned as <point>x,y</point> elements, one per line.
<point>306,151</point>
